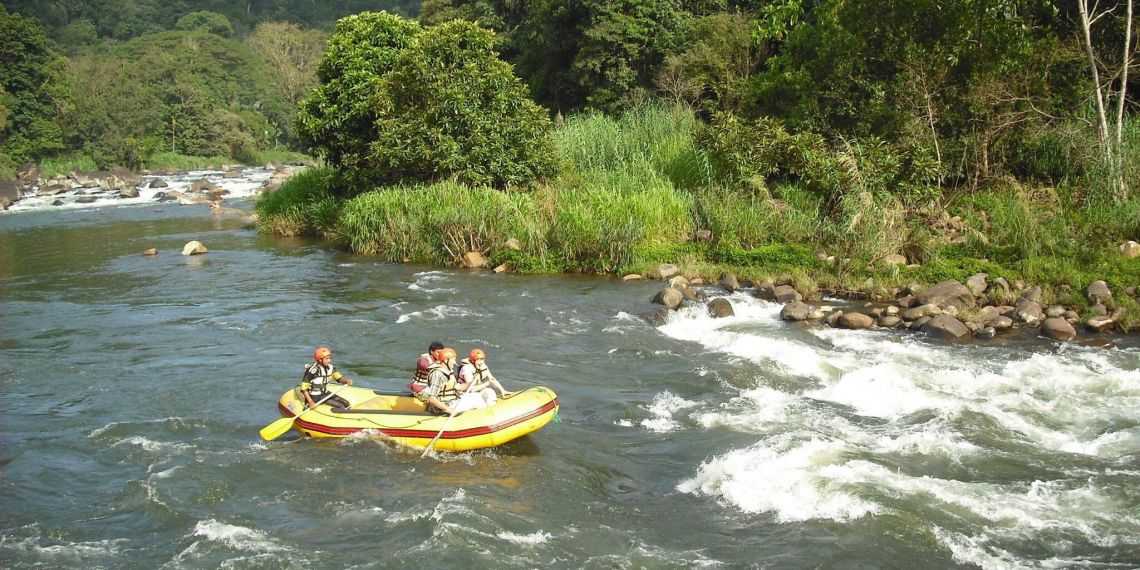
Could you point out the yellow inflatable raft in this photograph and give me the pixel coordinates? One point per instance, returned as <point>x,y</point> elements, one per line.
<point>403,418</point>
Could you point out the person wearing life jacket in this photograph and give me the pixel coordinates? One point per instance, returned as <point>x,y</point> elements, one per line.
<point>475,378</point>
<point>423,365</point>
<point>317,376</point>
<point>441,390</point>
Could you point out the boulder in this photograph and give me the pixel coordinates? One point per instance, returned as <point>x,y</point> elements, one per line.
<point>5,203</point>
<point>632,277</point>
<point>128,192</point>
<point>53,189</point>
<point>728,282</point>
<point>796,311</point>
<point>194,248</point>
<point>919,312</point>
<point>691,294</point>
<point>894,259</point>
<point>1130,249</point>
<point>1098,310</point>
<point>983,316</point>
<point>946,293</point>
<point>986,332</point>
<point>696,281</point>
<point>1100,324</point>
<point>1058,329</point>
<point>1055,311</point>
<point>787,294</point>
<point>663,271</point>
<point>1130,291</point>
<point>502,268</point>
<point>977,284</point>
<point>656,317</point>
<point>1072,316</point>
<point>889,321</point>
<point>10,190</point>
<point>946,327</point>
<point>891,310</point>
<point>57,203</point>
<point>852,320</point>
<point>513,245</point>
<point>1002,323</point>
<point>474,260</point>
<point>201,185</point>
<point>150,251</point>
<point>1098,292</point>
<point>678,282</point>
<point>1032,294</point>
<point>765,290</point>
<point>158,183</point>
<point>905,302</point>
<point>832,319</point>
<point>670,297</point>
<point>720,308</point>
<point>85,199</point>
<point>1028,312</point>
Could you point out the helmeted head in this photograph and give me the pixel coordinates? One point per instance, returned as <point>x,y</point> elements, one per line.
<point>476,355</point>
<point>321,353</point>
<point>449,354</point>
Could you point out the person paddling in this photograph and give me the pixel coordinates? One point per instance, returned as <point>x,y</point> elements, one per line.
<point>316,378</point>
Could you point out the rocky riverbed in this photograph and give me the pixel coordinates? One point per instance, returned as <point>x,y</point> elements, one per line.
<point>980,308</point>
<point>122,187</point>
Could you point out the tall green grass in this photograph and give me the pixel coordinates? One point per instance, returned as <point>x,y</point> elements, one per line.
<point>656,134</point>
<point>304,205</point>
<point>438,223</point>
<point>63,165</point>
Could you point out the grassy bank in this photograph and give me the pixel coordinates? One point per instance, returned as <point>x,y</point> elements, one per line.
<point>639,190</point>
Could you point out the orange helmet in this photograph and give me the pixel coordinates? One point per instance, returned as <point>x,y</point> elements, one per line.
<point>321,352</point>
<point>444,354</point>
<point>476,354</point>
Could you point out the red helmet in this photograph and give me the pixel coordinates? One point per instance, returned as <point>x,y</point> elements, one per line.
<point>476,354</point>
<point>321,352</point>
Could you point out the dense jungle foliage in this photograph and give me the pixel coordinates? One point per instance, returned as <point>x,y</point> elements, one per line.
<point>963,135</point>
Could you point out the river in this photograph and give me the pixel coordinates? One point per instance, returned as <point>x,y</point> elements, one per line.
<point>133,389</point>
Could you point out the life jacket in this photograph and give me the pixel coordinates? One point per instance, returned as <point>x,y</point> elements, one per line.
<point>421,373</point>
<point>480,375</point>
<point>317,377</point>
<point>447,392</point>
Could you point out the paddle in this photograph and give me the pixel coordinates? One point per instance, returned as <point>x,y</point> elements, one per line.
<point>282,425</point>
<point>433,440</point>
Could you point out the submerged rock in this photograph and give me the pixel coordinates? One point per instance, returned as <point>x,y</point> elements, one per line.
<point>720,308</point>
<point>853,320</point>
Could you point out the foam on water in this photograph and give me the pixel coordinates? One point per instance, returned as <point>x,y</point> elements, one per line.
<point>436,313</point>
<point>537,537</point>
<point>235,536</point>
<point>662,408</point>
<point>829,405</point>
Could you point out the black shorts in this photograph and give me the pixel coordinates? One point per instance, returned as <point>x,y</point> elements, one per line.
<point>334,401</point>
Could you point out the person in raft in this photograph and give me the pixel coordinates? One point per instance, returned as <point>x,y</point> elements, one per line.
<point>423,366</point>
<point>318,374</point>
<point>476,381</point>
<point>441,391</point>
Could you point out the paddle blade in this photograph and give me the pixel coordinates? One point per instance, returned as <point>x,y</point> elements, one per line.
<point>276,429</point>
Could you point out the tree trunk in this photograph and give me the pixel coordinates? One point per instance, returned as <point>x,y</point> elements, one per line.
<point>1086,30</point>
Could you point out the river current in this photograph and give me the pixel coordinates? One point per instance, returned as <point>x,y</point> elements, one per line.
<point>132,389</point>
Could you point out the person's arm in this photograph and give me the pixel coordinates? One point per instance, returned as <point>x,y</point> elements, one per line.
<point>341,378</point>
<point>464,383</point>
<point>494,382</point>
<point>442,406</point>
